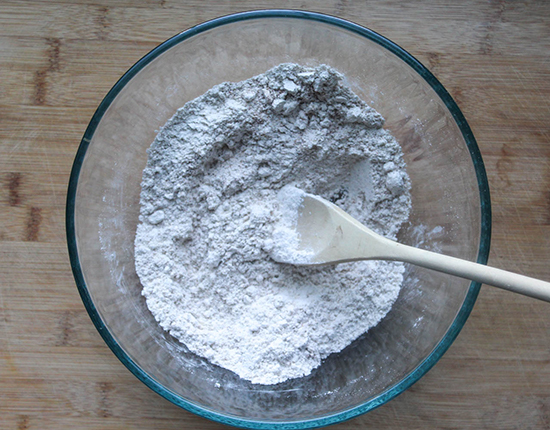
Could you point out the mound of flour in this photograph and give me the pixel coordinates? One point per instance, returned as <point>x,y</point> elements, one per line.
<point>209,206</point>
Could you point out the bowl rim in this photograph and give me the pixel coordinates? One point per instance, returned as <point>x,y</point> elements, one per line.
<point>391,392</point>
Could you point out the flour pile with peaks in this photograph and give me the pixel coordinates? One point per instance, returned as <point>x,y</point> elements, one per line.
<point>210,204</point>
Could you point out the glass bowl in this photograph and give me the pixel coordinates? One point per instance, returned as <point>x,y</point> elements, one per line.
<point>451,214</point>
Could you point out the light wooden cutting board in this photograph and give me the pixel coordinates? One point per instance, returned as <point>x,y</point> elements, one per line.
<point>59,58</point>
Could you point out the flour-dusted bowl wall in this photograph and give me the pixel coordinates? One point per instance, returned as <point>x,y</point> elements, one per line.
<point>450,214</point>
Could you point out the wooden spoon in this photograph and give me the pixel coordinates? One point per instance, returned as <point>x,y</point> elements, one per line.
<point>327,235</point>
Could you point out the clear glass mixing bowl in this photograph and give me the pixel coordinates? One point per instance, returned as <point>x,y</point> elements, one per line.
<point>451,214</point>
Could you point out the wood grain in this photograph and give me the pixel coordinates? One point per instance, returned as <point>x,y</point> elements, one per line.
<point>59,58</point>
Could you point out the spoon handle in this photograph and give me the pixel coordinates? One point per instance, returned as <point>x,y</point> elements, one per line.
<point>477,272</point>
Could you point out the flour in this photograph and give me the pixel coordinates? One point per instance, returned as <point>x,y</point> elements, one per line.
<point>285,247</point>
<point>210,203</point>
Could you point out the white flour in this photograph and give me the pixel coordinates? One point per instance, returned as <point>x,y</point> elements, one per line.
<point>209,206</point>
